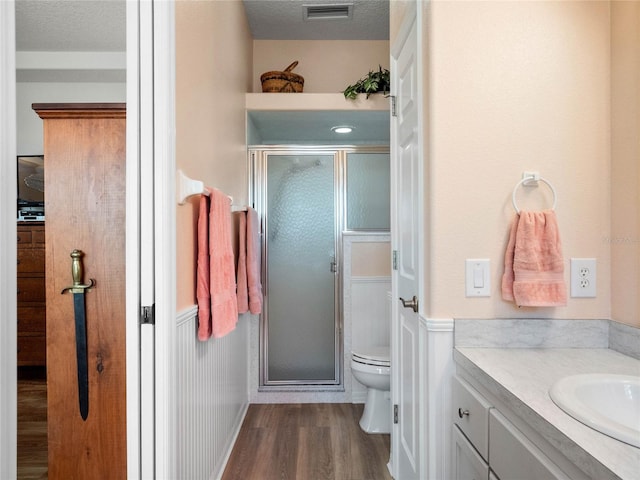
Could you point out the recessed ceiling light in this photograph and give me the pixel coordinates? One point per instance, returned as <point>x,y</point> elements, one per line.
<point>342,129</point>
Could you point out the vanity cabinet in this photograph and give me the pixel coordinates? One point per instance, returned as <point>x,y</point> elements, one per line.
<point>468,462</point>
<point>471,415</point>
<point>487,446</point>
<point>514,456</point>
<point>32,344</point>
<point>470,432</point>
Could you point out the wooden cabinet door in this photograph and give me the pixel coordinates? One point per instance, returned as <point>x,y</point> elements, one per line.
<point>85,210</point>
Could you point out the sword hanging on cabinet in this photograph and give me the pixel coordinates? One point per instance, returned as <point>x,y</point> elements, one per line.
<point>78,289</point>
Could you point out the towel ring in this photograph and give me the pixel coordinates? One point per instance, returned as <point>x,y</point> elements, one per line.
<point>533,179</point>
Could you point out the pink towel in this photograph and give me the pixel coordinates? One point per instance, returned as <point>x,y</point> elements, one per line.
<point>222,285</point>
<point>224,304</point>
<point>254,262</point>
<point>203,295</point>
<point>243,289</point>
<point>533,263</point>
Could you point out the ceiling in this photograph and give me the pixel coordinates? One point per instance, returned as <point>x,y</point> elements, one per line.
<point>70,25</point>
<point>286,20</point>
<point>100,26</point>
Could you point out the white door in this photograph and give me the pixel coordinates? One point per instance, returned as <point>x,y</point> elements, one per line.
<point>406,227</point>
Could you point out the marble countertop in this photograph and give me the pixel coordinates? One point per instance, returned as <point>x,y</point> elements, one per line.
<point>521,378</point>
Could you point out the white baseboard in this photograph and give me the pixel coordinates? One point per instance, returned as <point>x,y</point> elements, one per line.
<point>232,441</point>
<point>359,397</point>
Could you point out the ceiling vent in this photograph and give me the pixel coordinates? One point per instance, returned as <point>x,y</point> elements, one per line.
<point>342,11</point>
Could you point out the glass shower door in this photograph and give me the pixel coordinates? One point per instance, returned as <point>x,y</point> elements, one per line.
<point>301,233</point>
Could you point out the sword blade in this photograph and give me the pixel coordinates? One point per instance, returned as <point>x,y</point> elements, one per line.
<point>81,354</point>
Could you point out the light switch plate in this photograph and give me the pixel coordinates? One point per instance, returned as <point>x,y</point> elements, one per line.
<point>478,277</point>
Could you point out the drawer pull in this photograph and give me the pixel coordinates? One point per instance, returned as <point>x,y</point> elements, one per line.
<point>463,413</point>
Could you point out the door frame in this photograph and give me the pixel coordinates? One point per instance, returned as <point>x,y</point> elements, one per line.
<point>150,180</point>
<point>161,201</point>
<point>151,238</point>
<point>8,273</point>
<point>258,189</point>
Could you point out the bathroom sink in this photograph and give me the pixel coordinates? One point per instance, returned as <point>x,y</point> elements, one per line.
<point>607,403</point>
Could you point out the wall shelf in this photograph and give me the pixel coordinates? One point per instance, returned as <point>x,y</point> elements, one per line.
<point>315,102</point>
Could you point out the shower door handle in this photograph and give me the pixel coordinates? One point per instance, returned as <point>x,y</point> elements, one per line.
<point>413,303</point>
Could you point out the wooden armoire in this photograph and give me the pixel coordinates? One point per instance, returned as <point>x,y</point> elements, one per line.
<point>84,151</point>
<point>31,295</point>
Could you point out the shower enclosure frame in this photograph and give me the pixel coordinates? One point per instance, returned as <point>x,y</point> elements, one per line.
<point>257,158</point>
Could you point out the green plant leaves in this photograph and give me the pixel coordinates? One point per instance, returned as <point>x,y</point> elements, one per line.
<point>374,81</point>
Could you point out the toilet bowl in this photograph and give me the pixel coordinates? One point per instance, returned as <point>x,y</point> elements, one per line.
<point>371,367</point>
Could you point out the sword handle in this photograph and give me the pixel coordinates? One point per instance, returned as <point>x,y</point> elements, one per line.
<point>77,272</point>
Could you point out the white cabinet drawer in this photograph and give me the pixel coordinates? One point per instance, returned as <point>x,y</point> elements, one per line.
<point>512,455</point>
<point>468,464</point>
<point>471,414</point>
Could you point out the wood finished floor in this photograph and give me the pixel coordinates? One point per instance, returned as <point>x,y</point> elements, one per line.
<point>32,424</point>
<point>276,442</point>
<point>307,442</point>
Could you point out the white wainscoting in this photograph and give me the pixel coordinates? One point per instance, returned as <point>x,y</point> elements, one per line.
<point>212,396</point>
<point>436,370</point>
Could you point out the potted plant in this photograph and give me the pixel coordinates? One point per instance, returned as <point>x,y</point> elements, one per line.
<point>373,82</point>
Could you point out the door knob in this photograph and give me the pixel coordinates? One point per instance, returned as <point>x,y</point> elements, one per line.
<point>413,303</point>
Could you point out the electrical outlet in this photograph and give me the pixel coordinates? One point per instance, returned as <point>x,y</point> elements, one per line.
<point>583,277</point>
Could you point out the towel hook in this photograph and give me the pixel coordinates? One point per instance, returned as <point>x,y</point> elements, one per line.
<point>528,178</point>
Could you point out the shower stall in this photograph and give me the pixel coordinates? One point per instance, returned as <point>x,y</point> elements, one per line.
<point>307,197</point>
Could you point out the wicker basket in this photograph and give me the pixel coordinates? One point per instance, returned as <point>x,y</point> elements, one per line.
<point>285,82</point>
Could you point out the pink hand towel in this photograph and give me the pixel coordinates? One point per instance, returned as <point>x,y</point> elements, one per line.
<point>224,303</point>
<point>534,267</point>
<point>243,289</point>
<point>254,262</point>
<point>203,294</point>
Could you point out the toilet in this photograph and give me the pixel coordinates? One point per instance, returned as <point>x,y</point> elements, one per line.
<point>371,367</point>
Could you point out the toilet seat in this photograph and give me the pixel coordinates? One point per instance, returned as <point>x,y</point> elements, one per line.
<point>378,356</point>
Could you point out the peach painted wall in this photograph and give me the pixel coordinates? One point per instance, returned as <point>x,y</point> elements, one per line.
<point>213,73</point>
<point>371,259</point>
<point>516,86</point>
<point>327,66</point>
<point>625,157</point>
